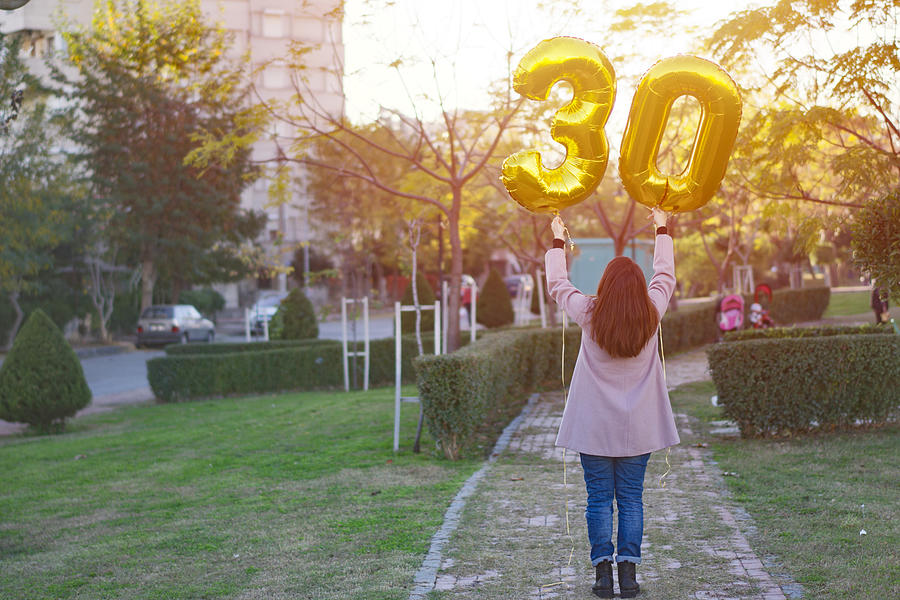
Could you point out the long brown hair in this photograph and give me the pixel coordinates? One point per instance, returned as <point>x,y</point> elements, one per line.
<point>623,319</point>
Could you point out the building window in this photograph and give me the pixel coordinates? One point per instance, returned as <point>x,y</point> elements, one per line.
<point>273,22</point>
<point>276,77</point>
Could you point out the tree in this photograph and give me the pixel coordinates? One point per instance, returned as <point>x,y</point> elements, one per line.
<point>41,380</point>
<point>360,225</point>
<point>149,78</point>
<point>426,298</point>
<point>835,81</point>
<point>494,303</point>
<point>876,242</point>
<point>33,181</point>
<point>297,317</point>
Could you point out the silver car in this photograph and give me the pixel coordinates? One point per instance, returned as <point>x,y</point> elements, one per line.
<point>265,308</point>
<point>173,323</point>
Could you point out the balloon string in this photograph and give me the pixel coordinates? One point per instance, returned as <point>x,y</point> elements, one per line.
<point>662,354</point>
<point>562,376</point>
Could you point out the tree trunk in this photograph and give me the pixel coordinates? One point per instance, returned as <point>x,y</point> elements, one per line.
<point>177,288</point>
<point>14,300</point>
<point>456,264</point>
<point>148,280</point>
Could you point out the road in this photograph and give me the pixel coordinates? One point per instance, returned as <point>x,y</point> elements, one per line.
<point>118,379</point>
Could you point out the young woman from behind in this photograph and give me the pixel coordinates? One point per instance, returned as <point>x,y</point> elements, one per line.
<point>617,411</point>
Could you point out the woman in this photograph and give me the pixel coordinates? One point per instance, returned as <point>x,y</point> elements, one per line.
<point>617,411</point>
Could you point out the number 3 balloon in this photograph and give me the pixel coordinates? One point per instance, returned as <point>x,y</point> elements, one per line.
<point>578,125</point>
<point>720,105</point>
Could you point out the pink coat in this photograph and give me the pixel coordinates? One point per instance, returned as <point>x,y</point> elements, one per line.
<point>616,406</point>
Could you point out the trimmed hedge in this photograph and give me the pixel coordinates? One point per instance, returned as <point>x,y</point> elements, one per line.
<point>227,347</point>
<point>289,366</point>
<point>795,306</point>
<point>689,327</point>
<point>296,317</point>
<point>494,305</point>
<point>695,325</point>
<point>461,391</point>
<point>787,385</point>
<point>796,332</point>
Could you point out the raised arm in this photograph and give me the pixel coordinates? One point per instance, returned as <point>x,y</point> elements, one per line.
<point>566,295</point>
<point>662,284</point>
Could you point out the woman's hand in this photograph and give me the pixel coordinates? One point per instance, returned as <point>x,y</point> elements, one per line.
<point>659,217</point>
<point>558,228</point>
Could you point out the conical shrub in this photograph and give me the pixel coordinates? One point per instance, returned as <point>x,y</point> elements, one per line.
<point>426,298</point>
<point>495,307</point>
<point>41,380</point>
<point>296,318</point>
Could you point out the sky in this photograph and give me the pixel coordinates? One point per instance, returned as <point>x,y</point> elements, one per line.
<point>469,42</point>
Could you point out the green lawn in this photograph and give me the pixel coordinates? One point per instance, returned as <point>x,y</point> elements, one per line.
<point>848,303</point>
<point>811,496</point>
<point>291,496</point>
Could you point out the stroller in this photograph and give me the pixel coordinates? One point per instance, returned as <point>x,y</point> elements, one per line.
<point>731,313</point>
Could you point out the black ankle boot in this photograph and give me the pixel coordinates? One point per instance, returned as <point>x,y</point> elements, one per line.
<point>628,585</point>
<point>603,587</point>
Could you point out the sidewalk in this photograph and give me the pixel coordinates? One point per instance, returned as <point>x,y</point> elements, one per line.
<point>512,542</point>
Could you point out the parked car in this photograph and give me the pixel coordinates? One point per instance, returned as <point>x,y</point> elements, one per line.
<point>515,282</point>
<point>173,323</point>
<point>265,308</point>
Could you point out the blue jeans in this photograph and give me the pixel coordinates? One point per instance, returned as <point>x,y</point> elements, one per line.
<point>621,478</point>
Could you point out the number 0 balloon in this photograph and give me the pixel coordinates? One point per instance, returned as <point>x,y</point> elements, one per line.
<point>578,125</point>
<point>720,104</point>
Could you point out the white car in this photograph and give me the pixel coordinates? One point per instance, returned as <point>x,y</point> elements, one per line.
<point>265,308</point>
<point>173,323</point>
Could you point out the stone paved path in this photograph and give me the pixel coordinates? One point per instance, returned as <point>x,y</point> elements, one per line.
<point>512,539</point>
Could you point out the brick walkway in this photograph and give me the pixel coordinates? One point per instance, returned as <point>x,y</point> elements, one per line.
<point>512,541</point>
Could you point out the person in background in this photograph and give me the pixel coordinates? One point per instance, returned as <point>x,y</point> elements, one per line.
<point>880,306</point>
<point>617,411</point>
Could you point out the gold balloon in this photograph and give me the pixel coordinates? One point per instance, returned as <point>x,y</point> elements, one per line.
<point>578,125</point>
<point>720,104</point>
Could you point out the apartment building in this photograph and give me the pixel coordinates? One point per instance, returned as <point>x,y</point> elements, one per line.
<point>263,28</point>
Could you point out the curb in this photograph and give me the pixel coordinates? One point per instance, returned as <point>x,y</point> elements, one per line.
<point>426,576</point>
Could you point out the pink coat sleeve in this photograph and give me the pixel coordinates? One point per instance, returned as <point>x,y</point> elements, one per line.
<point>662,284</point>
<point>566,295</point>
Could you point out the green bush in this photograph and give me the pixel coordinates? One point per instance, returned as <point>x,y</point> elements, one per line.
<point>795,306</point>
<point>230,347</point>
<point>266,367</point>
<point>795,332</point>
<point>786,385</point>
<point>695,325</point>
<point>296,318</point>
<point>494,306</point>
<point>462,391</point>
<point>426,298</point>
<point>207,300</point>
<point>41,380</point>
<point>540,287</point>
<point>689,327</point>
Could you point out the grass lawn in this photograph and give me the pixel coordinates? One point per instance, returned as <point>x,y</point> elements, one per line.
<point>811,496</point>
<point>291,496</point>
<point>848,303</point>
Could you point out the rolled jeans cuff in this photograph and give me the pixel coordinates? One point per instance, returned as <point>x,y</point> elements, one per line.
<point>597,561</point>
<point>633,559</point>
